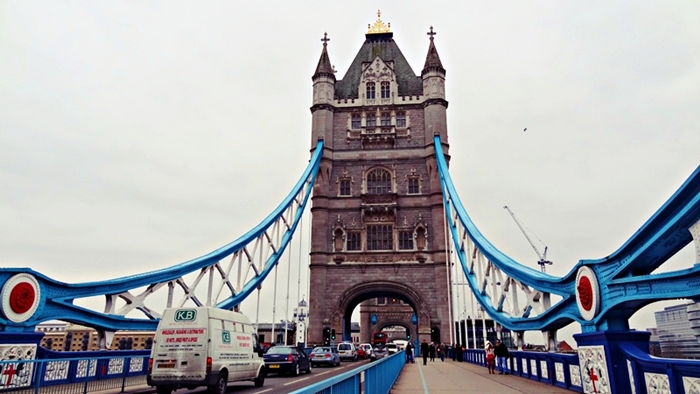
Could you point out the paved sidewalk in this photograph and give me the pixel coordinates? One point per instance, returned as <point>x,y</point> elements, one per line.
<point>455,377</point>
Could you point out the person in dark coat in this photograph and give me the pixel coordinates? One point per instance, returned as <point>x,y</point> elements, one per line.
<point>409,353</point>
<point>424,349</point>
<point>502,355</point>
<point>431,349</point>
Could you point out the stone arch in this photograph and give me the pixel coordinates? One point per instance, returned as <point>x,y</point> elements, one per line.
<point>353,296</point>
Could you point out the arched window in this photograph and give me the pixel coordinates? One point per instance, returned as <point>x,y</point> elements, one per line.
<point>378,181</point>
<point>385,91</point>
<point>370,90</point>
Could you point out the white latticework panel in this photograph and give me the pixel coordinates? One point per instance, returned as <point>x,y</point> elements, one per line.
<point>691,385</point>
<point>559,372</point>
<point>657,383</point>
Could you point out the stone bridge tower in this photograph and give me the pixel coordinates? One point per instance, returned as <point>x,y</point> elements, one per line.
<point>377,211</point>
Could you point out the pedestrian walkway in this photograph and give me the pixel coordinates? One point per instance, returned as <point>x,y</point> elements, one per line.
<point>455,377</point>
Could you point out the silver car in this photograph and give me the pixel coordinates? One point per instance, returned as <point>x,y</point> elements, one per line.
<point>325,355</point>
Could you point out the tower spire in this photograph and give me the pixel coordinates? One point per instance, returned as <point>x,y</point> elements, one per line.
<point>324,67</point>
<point>432,60</point>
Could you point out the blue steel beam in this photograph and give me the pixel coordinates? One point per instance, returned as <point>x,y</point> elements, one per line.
<point>56,298</point>
<point>625,278</point>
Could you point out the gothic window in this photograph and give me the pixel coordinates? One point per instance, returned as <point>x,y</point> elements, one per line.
<point>378,181</point>
<point>379,237</point>
<point>400,119</point>
<point>353,241</point>
<point>413,186</point>
<point>338,240</point>
<point>385,91</point>
<point>406,240</point>
<point>370,90</point>
<point>385,119</point>
<point>356,122</point>
<point>381,300</point>
<point>344,187</point>
<point>371,120</point>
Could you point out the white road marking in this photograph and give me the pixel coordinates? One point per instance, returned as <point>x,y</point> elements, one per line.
<point>296,381</point>
<point>264,391</point>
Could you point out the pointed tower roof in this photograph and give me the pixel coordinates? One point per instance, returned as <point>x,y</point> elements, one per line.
<point>432,60</point>
<point>379,41</point>
<point>324,67</point>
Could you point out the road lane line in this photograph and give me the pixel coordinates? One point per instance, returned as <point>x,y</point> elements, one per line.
<point>425,386</point>
<point>264,391</point>
<point>296,381</point>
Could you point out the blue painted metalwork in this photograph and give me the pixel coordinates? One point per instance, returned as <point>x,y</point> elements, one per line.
<point>57,298</point>
<point>625,279</point>
<point>378,378</point>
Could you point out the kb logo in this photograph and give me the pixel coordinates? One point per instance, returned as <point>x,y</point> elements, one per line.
<point>226,336</point>
<point>185,315</point>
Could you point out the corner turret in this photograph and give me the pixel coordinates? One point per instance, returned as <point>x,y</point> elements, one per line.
<point>435,105</point>
<point>323,94</point>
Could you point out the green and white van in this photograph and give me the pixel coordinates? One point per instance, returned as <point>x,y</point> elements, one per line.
<point>204,346</point>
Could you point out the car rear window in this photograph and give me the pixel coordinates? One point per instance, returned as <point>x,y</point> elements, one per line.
<point>279,350</point>
<point>344,346</point>
<point>322,350</point>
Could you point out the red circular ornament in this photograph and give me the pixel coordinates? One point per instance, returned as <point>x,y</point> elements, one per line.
<point>22,297</point>
<point>585,293</point>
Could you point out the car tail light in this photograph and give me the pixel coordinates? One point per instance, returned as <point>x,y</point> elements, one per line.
<point>150,365</point>
<point>209,364</point>
<point>328,355</point>
<point>290,358</point>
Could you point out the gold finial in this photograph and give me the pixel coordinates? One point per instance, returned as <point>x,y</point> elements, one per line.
<point>379,26</point>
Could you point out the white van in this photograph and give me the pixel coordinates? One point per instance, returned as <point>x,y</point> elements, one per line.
<point>204,346</point>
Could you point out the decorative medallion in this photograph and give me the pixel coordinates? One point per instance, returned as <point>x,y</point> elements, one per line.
<point>587,293</point>
<point>559,372</point>
<point>594,369</point>
<point>631,376</point>
<point>657,383</point>
<point>20,297</point>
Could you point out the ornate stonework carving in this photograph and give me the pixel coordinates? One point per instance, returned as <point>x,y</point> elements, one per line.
<point>594,369</point>
<point>657,383</point>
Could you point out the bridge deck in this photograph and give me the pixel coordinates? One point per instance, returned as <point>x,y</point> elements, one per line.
<point>455,377</point>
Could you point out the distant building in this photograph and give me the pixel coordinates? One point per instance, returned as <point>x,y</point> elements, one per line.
<point>676,337</point>
<point>654,346</point>
<point>67,337</point>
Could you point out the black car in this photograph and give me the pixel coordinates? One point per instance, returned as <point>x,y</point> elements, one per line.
<point>287,359</point>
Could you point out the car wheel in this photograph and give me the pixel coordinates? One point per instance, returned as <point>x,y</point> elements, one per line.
<point>308,370</point>
<point>296,370</point>
<point>220,387</point>
<point>163,390</point>
<point>260,379</point>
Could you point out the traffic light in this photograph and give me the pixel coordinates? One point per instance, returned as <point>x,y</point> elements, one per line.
<point>327,336</point>
<point>333,334</point>
<point>408,336</point>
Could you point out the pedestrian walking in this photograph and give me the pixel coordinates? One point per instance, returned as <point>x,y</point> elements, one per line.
<point>424,349</point>
<point>490,357</point>
<point>441,349</point>
<point>409,353</point>
<point>431,349</point>
<point>502,356</point>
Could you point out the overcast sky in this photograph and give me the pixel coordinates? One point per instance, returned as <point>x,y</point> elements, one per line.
<point>137,135</point>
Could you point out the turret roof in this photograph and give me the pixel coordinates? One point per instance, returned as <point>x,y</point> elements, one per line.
<point>432,60</point>
<point>324,66</point>
<point>382,45</point>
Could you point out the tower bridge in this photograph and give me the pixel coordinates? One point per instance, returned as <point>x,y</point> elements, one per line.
<point>385,219</point>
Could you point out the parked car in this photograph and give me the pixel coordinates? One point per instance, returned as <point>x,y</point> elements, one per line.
<point>346,351</point>
<point>287,359</point>
<point>392,348</point>
<point>401,343</point>
<point>325,355</point>
<point>378,352</point>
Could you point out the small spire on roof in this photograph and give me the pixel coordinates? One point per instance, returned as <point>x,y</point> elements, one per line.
<point>432,60</point>
<point>324,66</point>
<point>379,26</point>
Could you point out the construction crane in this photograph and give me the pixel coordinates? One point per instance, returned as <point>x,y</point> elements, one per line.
<point>543,256</point>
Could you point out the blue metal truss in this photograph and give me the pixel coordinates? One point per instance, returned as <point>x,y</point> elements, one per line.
<point>266,242</point>
<point>626,281</point>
